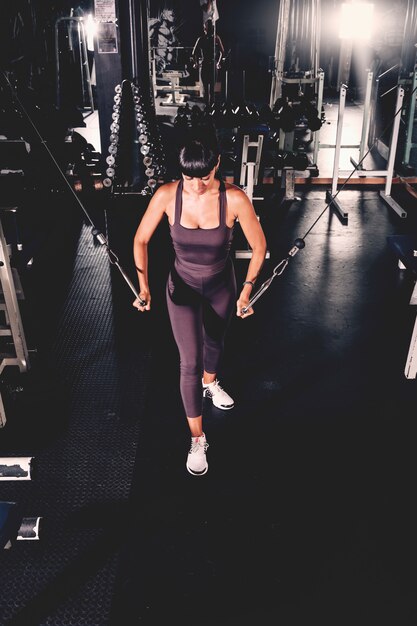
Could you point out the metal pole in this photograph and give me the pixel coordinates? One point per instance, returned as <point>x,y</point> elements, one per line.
<point>410,123</point>
<point>80,54</point>
<point>133,41</point>
<point>342,102</point>
<point>214,61</point>
<point>86,65</point>
<point>394,141</point>
<point>57,68</point>
<point>319,105</point>
<point>366,116</point>
<point>280,48</point>
<point>410,369</point>
<point>386,193</point>
<point>250,180</point>
<point>317,38</point>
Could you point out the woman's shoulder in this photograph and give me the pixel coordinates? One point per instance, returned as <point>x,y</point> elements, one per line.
<point>237,199</point>
<point>167,191</point>
<point>233,191</point>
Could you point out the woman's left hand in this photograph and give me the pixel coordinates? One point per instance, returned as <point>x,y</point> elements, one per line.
<point>241,304</point>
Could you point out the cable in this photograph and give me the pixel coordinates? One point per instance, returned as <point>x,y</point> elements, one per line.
<point>299,243</point>
<point>96,232</point>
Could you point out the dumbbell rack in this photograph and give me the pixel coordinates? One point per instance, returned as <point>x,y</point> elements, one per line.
<point>10,291</point>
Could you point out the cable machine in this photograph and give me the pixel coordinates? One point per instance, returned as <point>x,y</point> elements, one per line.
<point>298,21</point>
<point>297,81</point>
<point>408,80</point>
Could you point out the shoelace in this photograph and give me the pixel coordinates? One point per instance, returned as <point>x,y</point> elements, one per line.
<point>215,384</point>
<point>196,446</point>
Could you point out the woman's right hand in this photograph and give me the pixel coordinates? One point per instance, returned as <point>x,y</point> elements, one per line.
<point>146,296</point>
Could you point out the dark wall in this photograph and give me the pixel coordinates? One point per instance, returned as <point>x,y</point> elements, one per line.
<point>249,29</point>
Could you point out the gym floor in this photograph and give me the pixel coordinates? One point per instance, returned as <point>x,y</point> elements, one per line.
<point>305,513</point>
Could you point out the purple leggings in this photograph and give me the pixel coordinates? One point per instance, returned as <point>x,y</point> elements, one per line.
<point>200,308</point>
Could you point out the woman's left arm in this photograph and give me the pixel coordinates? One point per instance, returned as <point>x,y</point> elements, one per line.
<point>243,209</point>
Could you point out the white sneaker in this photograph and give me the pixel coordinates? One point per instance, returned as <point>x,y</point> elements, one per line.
<point>196,460</point>
<point>218,396</point>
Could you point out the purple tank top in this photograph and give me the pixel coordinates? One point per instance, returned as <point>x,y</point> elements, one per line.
<point>204,250</point>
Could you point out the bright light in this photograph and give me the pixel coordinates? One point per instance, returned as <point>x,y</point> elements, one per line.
<point>356,21</point>
<point>91,30</point>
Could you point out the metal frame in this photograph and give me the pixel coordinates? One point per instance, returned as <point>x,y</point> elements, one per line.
<point>288,182</point>
<point>410,369</point>
<point>82,39</point>
<point>174,89</point>
<point>409,144</point>
<point>280,48</point>
<point>314,13</point>
<point>388,173</point>
<point>249,172</point>
<point>13,326</point>
<point>16,468</point>
<point>363,145</point>
<point>333,202</point>
<point>286,140</point>
<point>386,194</point>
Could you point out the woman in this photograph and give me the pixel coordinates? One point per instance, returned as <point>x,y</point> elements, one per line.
<point>201,288</point>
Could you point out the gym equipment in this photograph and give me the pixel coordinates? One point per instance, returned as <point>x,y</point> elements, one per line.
<point>174,97</point>
<point>16,468</point>
<point>125,170</point>
<point>100,238</point>
<point>299,244</point>
<point>310,114</point>
<point>15,527</point>
<point>176,93</point>
<point>410,144</point>
<point>388,173</point>
<point>297,44</point>
<point>277,271</point>
<point>284,115</point>
<point>363,144</point>
<point>405,248</point>
<point>76,40</point>
<point>407,78</point>
<point>296,72</point>
<point>181,119</point>
<point>190,117</point>
<point>15,352</point>
<point>302,115</point>
<point>265,114</point>
<point>249,172</point>
<point>386,194</point>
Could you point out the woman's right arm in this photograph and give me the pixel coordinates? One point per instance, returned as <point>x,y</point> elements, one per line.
<point>150,220</point>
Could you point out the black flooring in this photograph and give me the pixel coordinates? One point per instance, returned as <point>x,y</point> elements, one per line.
<point>306,513</point>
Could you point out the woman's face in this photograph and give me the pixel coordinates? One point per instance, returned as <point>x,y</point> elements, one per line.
<point>199,186</point>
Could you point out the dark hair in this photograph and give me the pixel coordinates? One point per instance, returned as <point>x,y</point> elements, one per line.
<point>198,155</point>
